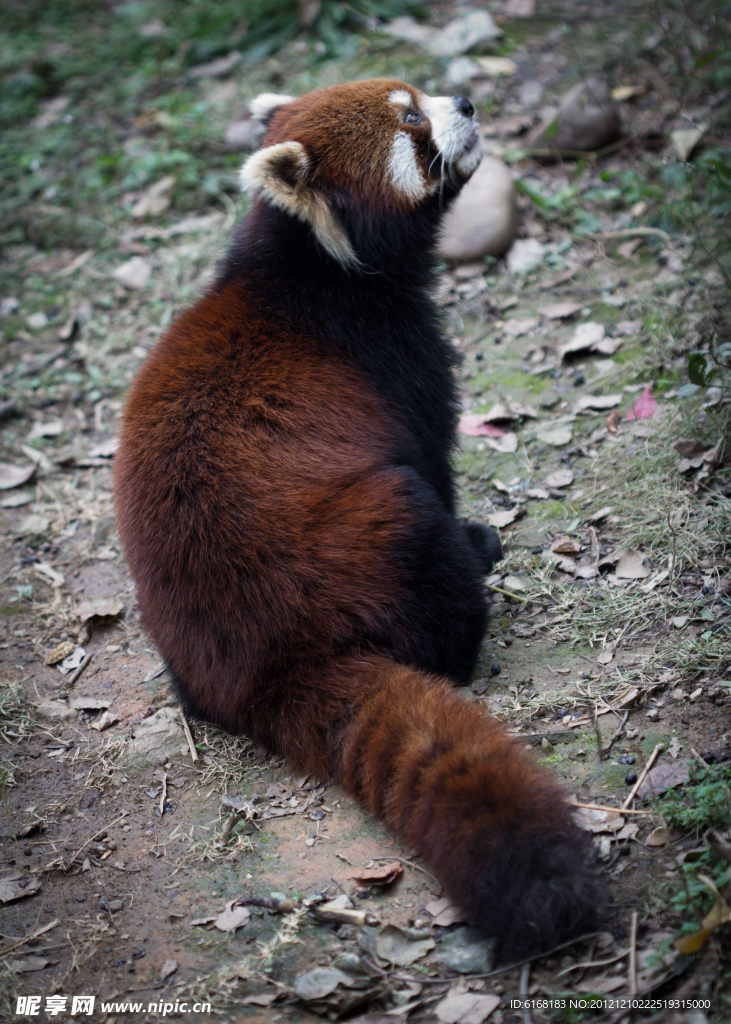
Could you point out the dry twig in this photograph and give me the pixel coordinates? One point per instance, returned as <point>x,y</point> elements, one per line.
<point>641,779</point>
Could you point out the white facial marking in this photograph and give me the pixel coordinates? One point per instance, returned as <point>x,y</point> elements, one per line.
<point>405,173</point>
<point>400,96</point>
<point>450,129</point>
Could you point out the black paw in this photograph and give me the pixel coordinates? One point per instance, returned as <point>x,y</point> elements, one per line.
<point>486,545</point>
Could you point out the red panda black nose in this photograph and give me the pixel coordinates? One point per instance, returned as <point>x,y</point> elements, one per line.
<point>464,106</point>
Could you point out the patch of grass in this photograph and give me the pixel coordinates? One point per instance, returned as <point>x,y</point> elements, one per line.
<point>704,801</point>
<point>16,719</point>
<point>229,762</point>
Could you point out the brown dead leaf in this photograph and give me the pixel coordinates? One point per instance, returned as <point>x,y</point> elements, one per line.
<point>16,885</point>
<point>445,913</point>
<point>663,777</point>
<point>380,875</point>
<point>630,565</point>
<point>719,914</point>
<point>232,918</point>
<point>500,519</point>
<point>613,422</point>
<point>466,1007</point>
<point>659,837</point>
<point>591,820</point>
<point>628,831</point>
<point>565,545</point>
<point>105,720</point>
<point>168,968</point>
<point>605,658</point>
<point>395,946</point>
<point>59,653</point>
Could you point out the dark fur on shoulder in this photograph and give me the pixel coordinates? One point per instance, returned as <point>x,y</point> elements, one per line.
<point>286,501</point>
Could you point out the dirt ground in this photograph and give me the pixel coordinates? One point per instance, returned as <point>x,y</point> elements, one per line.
<point>593,665</point>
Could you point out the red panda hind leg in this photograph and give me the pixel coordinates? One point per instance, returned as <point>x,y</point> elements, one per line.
<point>491,824</point>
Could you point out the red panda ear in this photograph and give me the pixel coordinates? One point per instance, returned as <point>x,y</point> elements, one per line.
<point>280,174</point>
<point>262,107</point>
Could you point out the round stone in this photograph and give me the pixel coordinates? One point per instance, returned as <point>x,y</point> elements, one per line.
<point>484,217</point>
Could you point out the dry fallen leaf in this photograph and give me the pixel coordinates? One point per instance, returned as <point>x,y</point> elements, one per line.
<point>605,658</point>
<point>586,336</point>
<point>168,968</point>
<point>591,820</point>
<point>658,837</point>
<point>663,777</point>
<point>14,476</point>
<point>380,875</point>
<point>104,721</point>
<point>59,653</point>
<point>100,608</point>
<point>507,444</point>
<point>561,478</point>
<point>232,918</point>
<point>630,565</point>
<point>598,402</point>
<point>30,963</point>
<point>559,310</point>
<point>477,424</point>
<point>445,913</point>
<point>17,885</point>
<point>393,945</point>
<point>718,914</point>
<point>518,327</point>
<point>565,545</point>
<point>466,1007</point>
<point>500,519</point>
<point>602,986</point>
<point>644,407</point>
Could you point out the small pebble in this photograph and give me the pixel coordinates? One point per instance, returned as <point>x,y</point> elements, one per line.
<point>579,379</point>
<point>495,669</point>
<point>627,759</point>
<point>630,778</point>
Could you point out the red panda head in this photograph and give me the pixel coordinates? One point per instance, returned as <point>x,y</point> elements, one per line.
<point>379,144</point>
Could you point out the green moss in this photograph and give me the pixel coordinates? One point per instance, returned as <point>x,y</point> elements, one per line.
<point>627,355</point>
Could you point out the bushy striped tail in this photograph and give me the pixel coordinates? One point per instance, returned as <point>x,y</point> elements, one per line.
<point>491,824</point>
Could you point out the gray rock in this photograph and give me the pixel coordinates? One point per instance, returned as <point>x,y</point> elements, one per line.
<point>525,254</point>
<point>320,983</point>
<point>55,710</point>
<point>467,951</point>
<point>484,218</point>
<point>159,737</point>
<point>587,119</point>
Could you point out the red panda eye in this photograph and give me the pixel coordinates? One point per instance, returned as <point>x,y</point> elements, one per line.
<point>412,117</point>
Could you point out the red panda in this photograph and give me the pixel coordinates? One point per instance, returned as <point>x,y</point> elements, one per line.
<point>286,502</point>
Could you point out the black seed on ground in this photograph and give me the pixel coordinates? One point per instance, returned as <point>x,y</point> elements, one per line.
<point>630,778</point>
<point>495,669</point>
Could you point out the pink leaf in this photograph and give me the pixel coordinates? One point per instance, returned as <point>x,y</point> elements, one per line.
<point>474,424</point>
<point>644,407</point>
